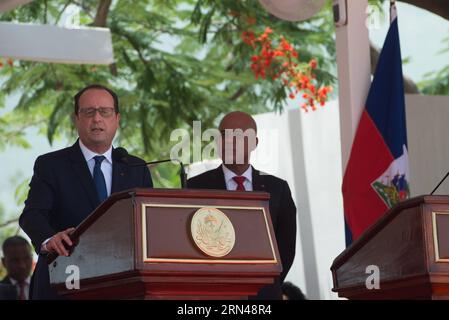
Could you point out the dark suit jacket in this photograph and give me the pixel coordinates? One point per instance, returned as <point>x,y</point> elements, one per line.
<point>283,216</point>
<point>8,291</point>
<point>62,194</point>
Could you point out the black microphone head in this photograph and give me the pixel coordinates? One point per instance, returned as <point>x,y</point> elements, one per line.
<point>120,154</point>
<point>183,176</point>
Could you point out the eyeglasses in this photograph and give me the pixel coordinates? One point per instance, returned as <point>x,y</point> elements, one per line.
<point>103,111</point>
<point>237,133</point>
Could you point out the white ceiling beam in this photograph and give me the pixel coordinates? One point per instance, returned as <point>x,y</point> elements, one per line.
<point>47,43</point>
<point>354,70</point>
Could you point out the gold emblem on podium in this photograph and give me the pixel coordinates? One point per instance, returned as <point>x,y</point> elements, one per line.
<point>212,232</point>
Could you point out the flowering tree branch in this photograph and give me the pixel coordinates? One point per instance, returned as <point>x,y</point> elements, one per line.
<point>279,61</point>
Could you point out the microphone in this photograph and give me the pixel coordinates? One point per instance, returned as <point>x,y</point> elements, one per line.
<point>442,180</point>
<point>183,176</point>
<point>182,173</point>
<point>120,154</point>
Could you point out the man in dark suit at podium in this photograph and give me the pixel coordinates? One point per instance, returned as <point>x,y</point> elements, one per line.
<point>68,184</point>
<point>237,174</point>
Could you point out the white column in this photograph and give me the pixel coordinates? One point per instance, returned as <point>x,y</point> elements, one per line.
<point>354,72</point>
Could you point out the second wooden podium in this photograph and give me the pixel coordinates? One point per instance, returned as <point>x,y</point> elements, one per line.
<point>172,244</point>
<point>409,247</point>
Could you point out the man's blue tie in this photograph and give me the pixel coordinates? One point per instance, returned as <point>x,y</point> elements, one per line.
<point>100,183</point>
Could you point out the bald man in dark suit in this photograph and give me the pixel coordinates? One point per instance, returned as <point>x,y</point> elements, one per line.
<point>237,174</point>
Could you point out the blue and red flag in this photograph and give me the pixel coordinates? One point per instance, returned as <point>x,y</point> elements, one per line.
<point>377,174</point>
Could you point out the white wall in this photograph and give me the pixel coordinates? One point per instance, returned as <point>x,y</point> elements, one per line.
<point>428,140</point>
<point>309,158</point>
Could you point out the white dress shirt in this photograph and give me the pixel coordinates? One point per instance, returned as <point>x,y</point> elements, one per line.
<point>106,164</point>
<point>15,283</point>
<point>230,182</point>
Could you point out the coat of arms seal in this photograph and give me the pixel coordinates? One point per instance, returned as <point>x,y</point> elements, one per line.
<point>212,232</point>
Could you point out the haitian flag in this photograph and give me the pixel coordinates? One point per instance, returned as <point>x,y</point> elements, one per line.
<point>377,174</point>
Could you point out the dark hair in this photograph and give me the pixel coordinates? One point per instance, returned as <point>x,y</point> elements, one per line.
<point>292,291</point>
<point>95,86</point>
<point>14,241</point>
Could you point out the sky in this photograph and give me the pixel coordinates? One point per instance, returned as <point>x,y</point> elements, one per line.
<point>421,34</point>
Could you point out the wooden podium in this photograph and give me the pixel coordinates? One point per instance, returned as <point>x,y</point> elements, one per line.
<point>409,245</point>
<point>142,244</point>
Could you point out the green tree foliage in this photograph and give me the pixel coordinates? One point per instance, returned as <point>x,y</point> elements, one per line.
<point>437,83</point>
<point>176,61</point>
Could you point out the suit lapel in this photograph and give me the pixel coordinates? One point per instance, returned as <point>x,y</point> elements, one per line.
<point>120,172</point>
<point>81,170</point>
<point>218,179</point>
<point>258,181</point>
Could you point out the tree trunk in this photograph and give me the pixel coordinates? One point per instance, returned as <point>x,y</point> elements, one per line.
<point>100,21</point>
<point>438,7</point>
<point>102,13</point>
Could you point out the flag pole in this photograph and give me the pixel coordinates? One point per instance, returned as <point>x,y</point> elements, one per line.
<point>393,12</point>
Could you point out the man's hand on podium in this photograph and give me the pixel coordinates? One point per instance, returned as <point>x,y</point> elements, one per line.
<point>56,245</point>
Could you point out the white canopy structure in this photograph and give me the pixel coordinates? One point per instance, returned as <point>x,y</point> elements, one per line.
<point>48,43</point>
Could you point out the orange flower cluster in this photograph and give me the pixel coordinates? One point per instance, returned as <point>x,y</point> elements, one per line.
<point>9,61</point>
<point>281,63</point>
